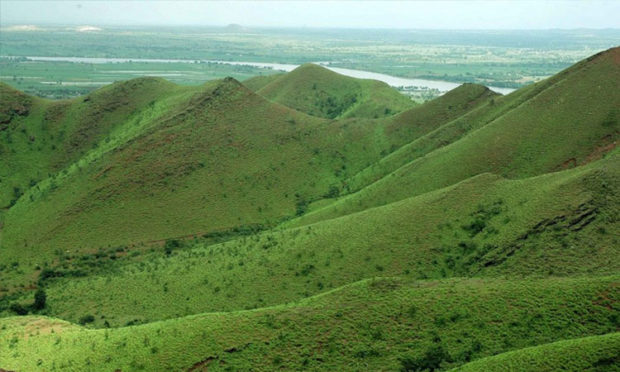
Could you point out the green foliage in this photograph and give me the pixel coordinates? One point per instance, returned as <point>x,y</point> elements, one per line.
<point>504,315</point>
<point>430,361</point>
<point>595,353</point>
<point>89,318</point>
<point>18,308</point>
<point>170,245</point>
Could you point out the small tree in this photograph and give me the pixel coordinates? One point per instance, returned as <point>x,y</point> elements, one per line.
<point>86,319</point>
<point>39,299</point>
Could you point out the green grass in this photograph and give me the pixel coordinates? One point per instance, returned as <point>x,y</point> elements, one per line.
<point>374,324</point>
<point>544,133</point>
<point>486,226</point>
<point>197,152</point>
<point>257,82</point>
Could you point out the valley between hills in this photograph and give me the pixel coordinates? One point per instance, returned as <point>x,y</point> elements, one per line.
<point>312,221</point>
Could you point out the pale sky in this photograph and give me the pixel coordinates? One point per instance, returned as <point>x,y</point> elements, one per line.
<point>514,14</point>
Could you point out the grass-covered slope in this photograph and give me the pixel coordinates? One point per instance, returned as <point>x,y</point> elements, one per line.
<point>41,137</point>
<point>571,120</point>
<point>479,231</point>
<point>594,353</point>
<point>179,161</point>
<point>382,324</point>
<point>560,224</point>
<point>219,156</point>
<point>320,92</point>
<point>425,118</point>
<point>431,125</point>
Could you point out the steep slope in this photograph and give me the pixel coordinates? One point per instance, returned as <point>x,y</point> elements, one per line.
<point>220,157</point>
<point>545,133</point>
<point>427,117</point>
<point>377,324</point>
<point>318,91</point>
<point>185,161</point>
<point>560,224</point>
<point>41,137</point>
<point>432,125</point>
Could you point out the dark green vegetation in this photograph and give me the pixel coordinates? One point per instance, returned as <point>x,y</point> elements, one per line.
<point>284,225</point>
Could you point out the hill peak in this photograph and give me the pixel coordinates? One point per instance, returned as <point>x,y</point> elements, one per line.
<point>229,80</point>
<point>611,53</point>
<point>471,88</point>
<point>318,91</point>
<point>312,68</point>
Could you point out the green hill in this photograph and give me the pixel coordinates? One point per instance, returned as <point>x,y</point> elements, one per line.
<point>595,353</point>
<point>543,133</point>
<point>487,226</point>
<point>43,137</point>
<point>189,162</point>
<point>376,324</point>
<point>318,91</point>
<point>310,221</point>
<point>432,125</point>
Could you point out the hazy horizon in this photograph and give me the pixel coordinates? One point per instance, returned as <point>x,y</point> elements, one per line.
<point>432,15</point>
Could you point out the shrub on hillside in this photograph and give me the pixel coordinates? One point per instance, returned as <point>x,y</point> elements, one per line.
<point>170,245</point>
<point>430,361</point>
<point>18,309</point>
<point>39,299</point>
<point>86,319</point>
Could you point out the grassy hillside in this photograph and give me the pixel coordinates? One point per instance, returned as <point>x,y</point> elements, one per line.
<point>377,324</point>
<point>555,224</point>
<point>595,353</point>
<point>544,133</point>
<point>189,162</point>
<point>310,221</point>
<point>43,137</point>
<point>432,125</point>
<point>318,91</point>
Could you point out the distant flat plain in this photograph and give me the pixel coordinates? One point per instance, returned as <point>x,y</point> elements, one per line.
<point>437,60</point>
